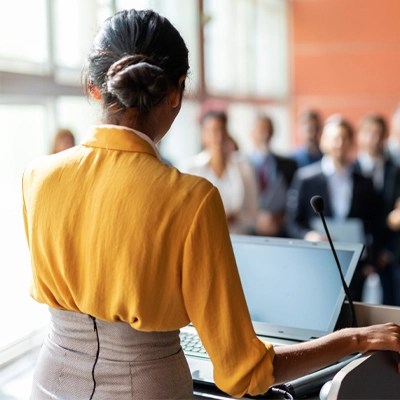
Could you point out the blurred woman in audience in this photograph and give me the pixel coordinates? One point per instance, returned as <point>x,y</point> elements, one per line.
<point>346,193</point>
<point>63,139</point>
<point>221,163</point>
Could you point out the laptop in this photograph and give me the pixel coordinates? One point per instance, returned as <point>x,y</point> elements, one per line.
<point>292,288</point>
<point>341,230</point>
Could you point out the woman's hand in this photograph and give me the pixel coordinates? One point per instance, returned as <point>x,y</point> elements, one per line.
<point>300,359</point>
<point>380,337</point>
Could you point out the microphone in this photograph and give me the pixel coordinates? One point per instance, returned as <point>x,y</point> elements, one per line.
<point>317,203</point>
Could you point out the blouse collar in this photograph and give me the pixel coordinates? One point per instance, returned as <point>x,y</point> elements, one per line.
<point>116,137</point>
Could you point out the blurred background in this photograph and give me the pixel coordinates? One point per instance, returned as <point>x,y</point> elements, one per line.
<point>278,57</point>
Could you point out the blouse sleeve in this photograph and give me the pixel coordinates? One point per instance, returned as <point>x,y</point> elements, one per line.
<point>215,304</point>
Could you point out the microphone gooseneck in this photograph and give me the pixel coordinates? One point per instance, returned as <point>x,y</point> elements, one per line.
<point>317,203</point>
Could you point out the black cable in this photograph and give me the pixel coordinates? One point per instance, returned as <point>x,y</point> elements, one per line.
<point>97,355</point>
<point>286,394</point>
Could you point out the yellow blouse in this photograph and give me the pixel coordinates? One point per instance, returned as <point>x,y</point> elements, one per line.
<point>116,234</point>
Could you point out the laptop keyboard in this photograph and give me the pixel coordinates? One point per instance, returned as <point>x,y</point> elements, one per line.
<point>191,345</point>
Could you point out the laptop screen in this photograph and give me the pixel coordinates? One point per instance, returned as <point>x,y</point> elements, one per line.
<point>292,286</point>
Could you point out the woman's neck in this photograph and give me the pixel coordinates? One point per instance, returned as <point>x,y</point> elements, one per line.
<point>132,120</point>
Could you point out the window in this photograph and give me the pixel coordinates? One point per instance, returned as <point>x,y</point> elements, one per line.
<point>23,138</point>
<point>246,47</point>
<point>25,39</point>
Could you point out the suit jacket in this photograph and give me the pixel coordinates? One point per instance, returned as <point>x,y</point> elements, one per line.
<point>273,198</point>
<point>391,184</point>
<point>387,197</point>
<point>285,166</point>
<point>310,181</point>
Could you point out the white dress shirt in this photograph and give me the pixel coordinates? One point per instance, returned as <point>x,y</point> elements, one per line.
<point>340,186</point>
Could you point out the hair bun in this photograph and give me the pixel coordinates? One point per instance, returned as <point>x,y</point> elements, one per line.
<point>136,82</point>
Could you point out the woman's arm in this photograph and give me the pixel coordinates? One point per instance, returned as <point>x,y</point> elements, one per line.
<point>293,361</point>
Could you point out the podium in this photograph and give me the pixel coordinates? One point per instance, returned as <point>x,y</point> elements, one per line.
<point>373,375</point>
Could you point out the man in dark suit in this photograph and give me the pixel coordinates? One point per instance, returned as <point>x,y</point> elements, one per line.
<point>274,174</point>
<point>346,193</point>
<point>373,162</point>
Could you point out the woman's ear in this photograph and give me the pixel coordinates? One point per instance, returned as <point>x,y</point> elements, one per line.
<point>94,92</point>
<point>175,97</point>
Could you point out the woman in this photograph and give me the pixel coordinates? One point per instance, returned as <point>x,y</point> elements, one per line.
<point>221,163</point>
<point>126,250</point>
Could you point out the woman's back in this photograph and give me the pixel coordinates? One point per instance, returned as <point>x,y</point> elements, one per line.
<point>113,219</point>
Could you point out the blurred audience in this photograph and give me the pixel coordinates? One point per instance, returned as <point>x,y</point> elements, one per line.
<point>309,125</point>
<point>63,139</point>
<point>274,174</point>
<point>372,161</point>
<point>346,193</point>
<point>223,165</point>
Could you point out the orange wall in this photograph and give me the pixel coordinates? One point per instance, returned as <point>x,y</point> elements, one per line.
<point>345,56</point>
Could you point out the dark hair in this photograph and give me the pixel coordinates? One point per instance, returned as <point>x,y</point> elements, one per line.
<point>310,115</point>
<point>376,119</point>
<point>136,57</point>
<point>214,114</point>
<point>339,120</point>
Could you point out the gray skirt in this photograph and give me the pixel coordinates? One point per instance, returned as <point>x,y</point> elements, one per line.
<point>130,364</point>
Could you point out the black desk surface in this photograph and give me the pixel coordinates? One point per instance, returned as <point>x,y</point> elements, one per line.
<point>203,392</point>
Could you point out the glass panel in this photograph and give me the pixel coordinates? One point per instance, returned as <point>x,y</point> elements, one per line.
<point>22,134</point>
<point>246,47</point>
<point>220,59</point>
<point>270,75</point>
<point>24,39</point>
<point>75,23</point>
